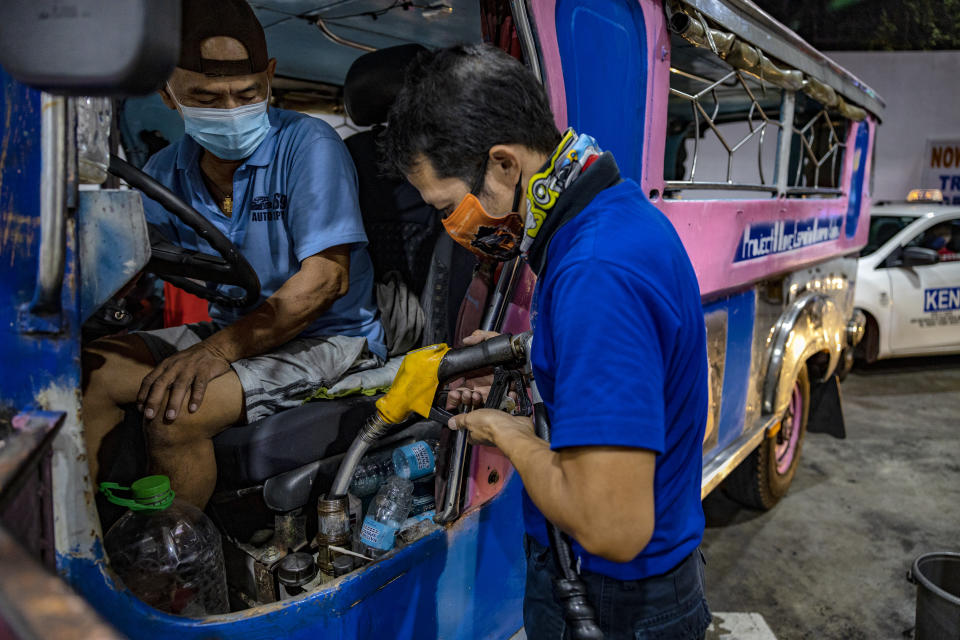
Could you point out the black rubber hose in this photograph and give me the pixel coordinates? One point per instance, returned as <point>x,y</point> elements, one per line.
<point>246,276</point>
<point>568,589</point>
<point>498,351</point>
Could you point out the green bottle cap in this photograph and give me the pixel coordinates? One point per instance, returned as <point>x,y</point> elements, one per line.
<point>153,490</point>
<point>152,493</point>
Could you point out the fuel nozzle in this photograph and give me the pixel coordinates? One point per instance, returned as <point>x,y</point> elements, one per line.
<point>375,428</point>
<point>505,350</point>
<point>415,387</point>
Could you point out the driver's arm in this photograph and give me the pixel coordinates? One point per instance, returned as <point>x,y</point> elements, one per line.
<point>323,278</point>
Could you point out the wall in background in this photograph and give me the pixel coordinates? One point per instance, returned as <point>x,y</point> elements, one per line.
<point>923,103</point>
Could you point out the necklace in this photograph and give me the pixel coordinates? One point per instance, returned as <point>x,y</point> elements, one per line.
<point>224,200</point>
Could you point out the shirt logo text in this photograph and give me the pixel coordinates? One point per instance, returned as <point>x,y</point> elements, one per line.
<point>268,208</point>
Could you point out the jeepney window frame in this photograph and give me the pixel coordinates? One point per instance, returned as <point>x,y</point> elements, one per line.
<point>789,177</point>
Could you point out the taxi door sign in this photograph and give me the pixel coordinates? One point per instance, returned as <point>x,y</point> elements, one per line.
<point>941,299</point>
<point>941,169</point>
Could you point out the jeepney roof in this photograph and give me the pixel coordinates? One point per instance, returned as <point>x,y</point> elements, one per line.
<point>754,25</point>
<point>305,53</point>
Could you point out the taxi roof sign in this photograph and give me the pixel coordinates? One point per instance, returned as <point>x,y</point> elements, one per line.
<point>925,195</point>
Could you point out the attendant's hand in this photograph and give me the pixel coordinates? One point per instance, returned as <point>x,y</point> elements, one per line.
<point>471,392</point>
<point>490,426</point>
<point>189,370</point>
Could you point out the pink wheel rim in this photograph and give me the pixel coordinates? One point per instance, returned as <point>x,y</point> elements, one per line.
<point>789,436</point>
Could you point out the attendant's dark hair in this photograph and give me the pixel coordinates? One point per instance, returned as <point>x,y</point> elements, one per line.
<point>457,103</point>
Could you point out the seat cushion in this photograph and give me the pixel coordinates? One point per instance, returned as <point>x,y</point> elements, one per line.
<point>249,454</point>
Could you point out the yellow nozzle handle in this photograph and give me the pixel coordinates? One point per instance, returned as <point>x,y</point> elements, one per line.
<point>414,386</point>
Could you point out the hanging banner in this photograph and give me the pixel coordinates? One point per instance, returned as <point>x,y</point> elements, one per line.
<point>941,169</point>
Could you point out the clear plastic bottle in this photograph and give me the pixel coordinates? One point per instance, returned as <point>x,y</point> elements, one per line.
<point>409,461</point>
<point>372,472</point>
<point>416,460</point>
<point>389,509</point>
<point>424,498</point>
<point>166,551</point>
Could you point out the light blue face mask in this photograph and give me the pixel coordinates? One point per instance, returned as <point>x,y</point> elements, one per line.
<point>230,134</point>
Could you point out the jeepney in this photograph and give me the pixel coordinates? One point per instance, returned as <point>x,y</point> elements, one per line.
<point>756,146</point>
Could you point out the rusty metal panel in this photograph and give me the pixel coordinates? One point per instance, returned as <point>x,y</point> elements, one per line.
<point>38,604</point>
<point>25,486</point>
<point>29,435</point>
<point>113,244</point>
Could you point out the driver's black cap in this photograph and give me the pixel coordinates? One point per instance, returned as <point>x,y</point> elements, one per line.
<point>204,19</point>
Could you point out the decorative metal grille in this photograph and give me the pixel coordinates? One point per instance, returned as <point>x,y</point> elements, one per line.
<point>821,145</point>
<point>706,115</point>
<point>707,95</point>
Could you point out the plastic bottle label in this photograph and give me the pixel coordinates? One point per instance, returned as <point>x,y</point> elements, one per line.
<point>377,535</point>
<point>419,457</point>
<point>412,520</point>
<point>422,503</point>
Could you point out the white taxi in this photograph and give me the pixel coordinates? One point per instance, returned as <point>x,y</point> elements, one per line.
<point>908,279</point>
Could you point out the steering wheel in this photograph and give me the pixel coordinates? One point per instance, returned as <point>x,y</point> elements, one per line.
<point>184,268</point>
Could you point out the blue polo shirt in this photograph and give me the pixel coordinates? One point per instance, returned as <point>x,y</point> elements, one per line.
<point>294,197</point>
<point>619,356</point>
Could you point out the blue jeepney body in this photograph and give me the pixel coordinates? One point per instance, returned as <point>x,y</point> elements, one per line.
<point>775,273</point>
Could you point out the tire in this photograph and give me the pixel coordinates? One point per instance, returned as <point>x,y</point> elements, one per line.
<point>846,364</point>
<point>764,477</point>
<point>869,347</point>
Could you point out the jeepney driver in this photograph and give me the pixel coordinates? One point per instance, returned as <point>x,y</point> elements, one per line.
<point>283,188</point>
<point>619,348</point>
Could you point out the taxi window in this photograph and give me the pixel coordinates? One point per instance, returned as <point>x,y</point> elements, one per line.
<point>954,244</point>
<point>943,237</point>
<point>882,228</point>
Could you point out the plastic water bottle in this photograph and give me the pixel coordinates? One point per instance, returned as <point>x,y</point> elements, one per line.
<point>372,472</point>
<point>166,551</point>
<point>416,460</point>
<point>424,498</point>
<point>409,461</point>
<point>389,509</point>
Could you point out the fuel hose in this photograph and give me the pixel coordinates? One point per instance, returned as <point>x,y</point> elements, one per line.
<point>568,589</point>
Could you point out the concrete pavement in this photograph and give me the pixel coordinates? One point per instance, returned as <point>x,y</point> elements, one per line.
<point>829,562</point>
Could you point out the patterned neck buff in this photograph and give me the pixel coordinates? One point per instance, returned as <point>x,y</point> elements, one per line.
<point>570,159</point>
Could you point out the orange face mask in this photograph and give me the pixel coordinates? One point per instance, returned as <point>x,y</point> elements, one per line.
<point>472,227</point>
<point>487,236</point>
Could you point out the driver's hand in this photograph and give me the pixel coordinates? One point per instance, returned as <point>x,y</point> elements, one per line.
<point>471,392</point>
<point>190,370</point>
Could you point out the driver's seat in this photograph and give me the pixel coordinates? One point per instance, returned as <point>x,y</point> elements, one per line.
<point>289,451</point>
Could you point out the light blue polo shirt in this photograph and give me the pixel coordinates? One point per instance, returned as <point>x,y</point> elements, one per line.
<point>294,197</point>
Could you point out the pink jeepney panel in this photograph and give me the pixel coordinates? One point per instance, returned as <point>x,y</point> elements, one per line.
<point>730,242</point>
<point>489,469</point>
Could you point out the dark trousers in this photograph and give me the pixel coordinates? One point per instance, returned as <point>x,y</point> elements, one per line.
<point>671,606</point>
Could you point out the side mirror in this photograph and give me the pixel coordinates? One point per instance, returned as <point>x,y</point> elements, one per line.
<point>90,47</point>
<point>918,257</point>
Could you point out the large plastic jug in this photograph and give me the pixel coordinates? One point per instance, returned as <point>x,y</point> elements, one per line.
<point>166,551</point>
